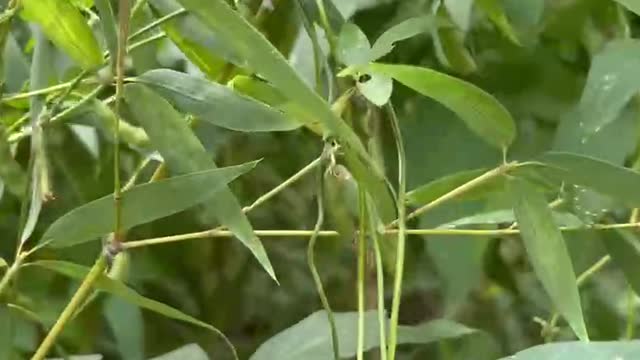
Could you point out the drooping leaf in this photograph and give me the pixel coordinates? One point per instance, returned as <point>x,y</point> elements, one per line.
<point>618,182</point>
<point>11,173</point>
<point>310,338</point>
<point>121,290</point>
<point>577,350</point>
<point>140,204</point>
<point>66,27</point>
<point>450,45</point>
<point>183,153</point>
<point>480,111</point>
<point>109,27</point>
<point>202,47</point>
<point>216,103</point>
<point>127,326</point>
<point>353,46</point>
<point>614,77</point>
<point>547,252</point>
<point>624,249</point>
<point>265,59</point>
<point>187,352</point>
<point>495,12</point>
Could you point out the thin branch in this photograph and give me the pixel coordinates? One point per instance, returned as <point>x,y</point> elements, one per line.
<point>154,24</point>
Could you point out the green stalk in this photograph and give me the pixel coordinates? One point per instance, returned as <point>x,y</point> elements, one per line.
<point>316,276</point>
<point>76,301</point>
<point>400,203</point>
<point>382,315</point>
<point>154,24</point>
<point>362,255</point>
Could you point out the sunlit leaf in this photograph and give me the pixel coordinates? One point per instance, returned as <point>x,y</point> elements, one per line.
<point>66,27</point>
<point>216,103</point>
<point>480,111</point>
<point>618,182</point>
<point>122,291</point>
<point>547,252</point>
<point>183,153</point>
<point>578,350</point>
<point>140,204</point>
<point>310,338</point>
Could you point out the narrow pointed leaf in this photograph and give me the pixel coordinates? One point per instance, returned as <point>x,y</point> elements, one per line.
<point>632,5</point>
<point>263,58</point>
<point>615,181</point>
<point>140,204</point>
<point>404,30</point>
<point>460,11</point>
<point>183,153</point>
<point>121,290</point>
<point>507,216</point>
<point>310,338</point>
<point>614,77</point>
<point>431,191</point>
<point>480,111</point>
<point>67,28</point>
<point>216,103</point>
<point>7,331</point>
<point>624,248</point>
<point>495,12</point>
<point>109,27</point>
<point>577,350</point>
<point>353,46</point>
<point>547,252</point>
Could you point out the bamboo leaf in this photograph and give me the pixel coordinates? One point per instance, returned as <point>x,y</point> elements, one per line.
<point>618,182</point>
<point>480,111</point>
<point>428,192</point>
<point>109,28</point>
<point>624,249</point>
<point>216,103</point>
<point>183,153</point>
<point>614,77</point>
<point>119,289</point>
<point>353,46</point>
<point>497,217</point>
<point>404,30</point>
<point>547,252</point>
<point>263,58</point>
<point>495,12</point>
<point>7,332</point>
<point>310,340</point>
<point>377,89</point>
<point>66,27</point>
<point>11,173</point>
<point>140,205</point>
<point>577,350</point>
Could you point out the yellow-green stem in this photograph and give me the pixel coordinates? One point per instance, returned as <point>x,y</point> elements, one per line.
<point>362,255</point>
<point>75,302</point>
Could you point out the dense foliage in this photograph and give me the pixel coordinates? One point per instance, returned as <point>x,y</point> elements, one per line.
<point>318,179</point>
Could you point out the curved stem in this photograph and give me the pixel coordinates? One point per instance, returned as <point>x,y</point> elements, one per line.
<point>154,24</point>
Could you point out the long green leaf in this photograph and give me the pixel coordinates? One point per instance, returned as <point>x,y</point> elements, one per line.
<point>109,27</point>
<point>140,205</point>
<point>632,5</point>
<point>7,331</point>
<point>266,60</point>
<point>216,103</point>
<point>618,182</point>
<point>353,46</point>
<point>624,248</point>
<point>66,27</point>
<point>430,191</point>
<point>495,11</point>
<point>404,30</point>
<point>547,252</point>
<point>578,350</point>
<point>614,77</point>
<point>184,153</point>
<point>122,291</point>
<point>506,216</point>
<point>480,111</point>
<point>201,46</point>
<point>310,340</point>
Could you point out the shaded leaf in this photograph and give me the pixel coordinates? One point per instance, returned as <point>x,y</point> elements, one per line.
<point>480,111</point>
<point>119,289</point>
<point>187,352</point>
<point>3,263</point>
<point>618,182</point>
<point>495,12</point>
<point>167,129</point>
<point>310,338</point>
<point>140,204</point>
<point>109,27</point>
<point>216,103</point>
<point>431,191</point>
<point>624,249</point>
<point>547,252</point>
<point>127,326</point>
<point>450,47</point>
<point>577,350</point>
<point>614,77</point>
<point>506,216</point>
<point>67,28</point>
<point>266,60</point>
